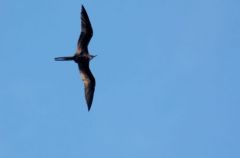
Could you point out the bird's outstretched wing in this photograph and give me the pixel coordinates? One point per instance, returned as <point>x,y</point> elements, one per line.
<point>89,84</point>
<point>86,31</point>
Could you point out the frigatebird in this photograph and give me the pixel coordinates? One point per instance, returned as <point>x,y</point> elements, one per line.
<point>82,57</point>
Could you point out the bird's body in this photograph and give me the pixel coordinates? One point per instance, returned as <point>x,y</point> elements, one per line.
<point>82,58</point>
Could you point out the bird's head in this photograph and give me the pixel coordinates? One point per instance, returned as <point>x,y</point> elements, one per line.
<point>92,56</point>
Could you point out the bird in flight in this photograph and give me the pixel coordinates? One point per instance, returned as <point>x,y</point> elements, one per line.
<point>82,57</point>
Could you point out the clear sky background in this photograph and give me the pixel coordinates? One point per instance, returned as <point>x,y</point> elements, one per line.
<point>167,75</point>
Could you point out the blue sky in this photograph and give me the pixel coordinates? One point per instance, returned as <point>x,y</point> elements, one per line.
<point>167,77</point>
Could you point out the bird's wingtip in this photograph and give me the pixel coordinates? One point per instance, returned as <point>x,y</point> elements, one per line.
<point>82,6</point>
<point>89,108</point>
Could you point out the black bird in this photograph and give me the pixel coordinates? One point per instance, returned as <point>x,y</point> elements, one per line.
<point>82,57</point>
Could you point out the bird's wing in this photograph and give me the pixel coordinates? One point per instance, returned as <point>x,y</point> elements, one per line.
<point>89,84</point>
<point>86,31</point>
